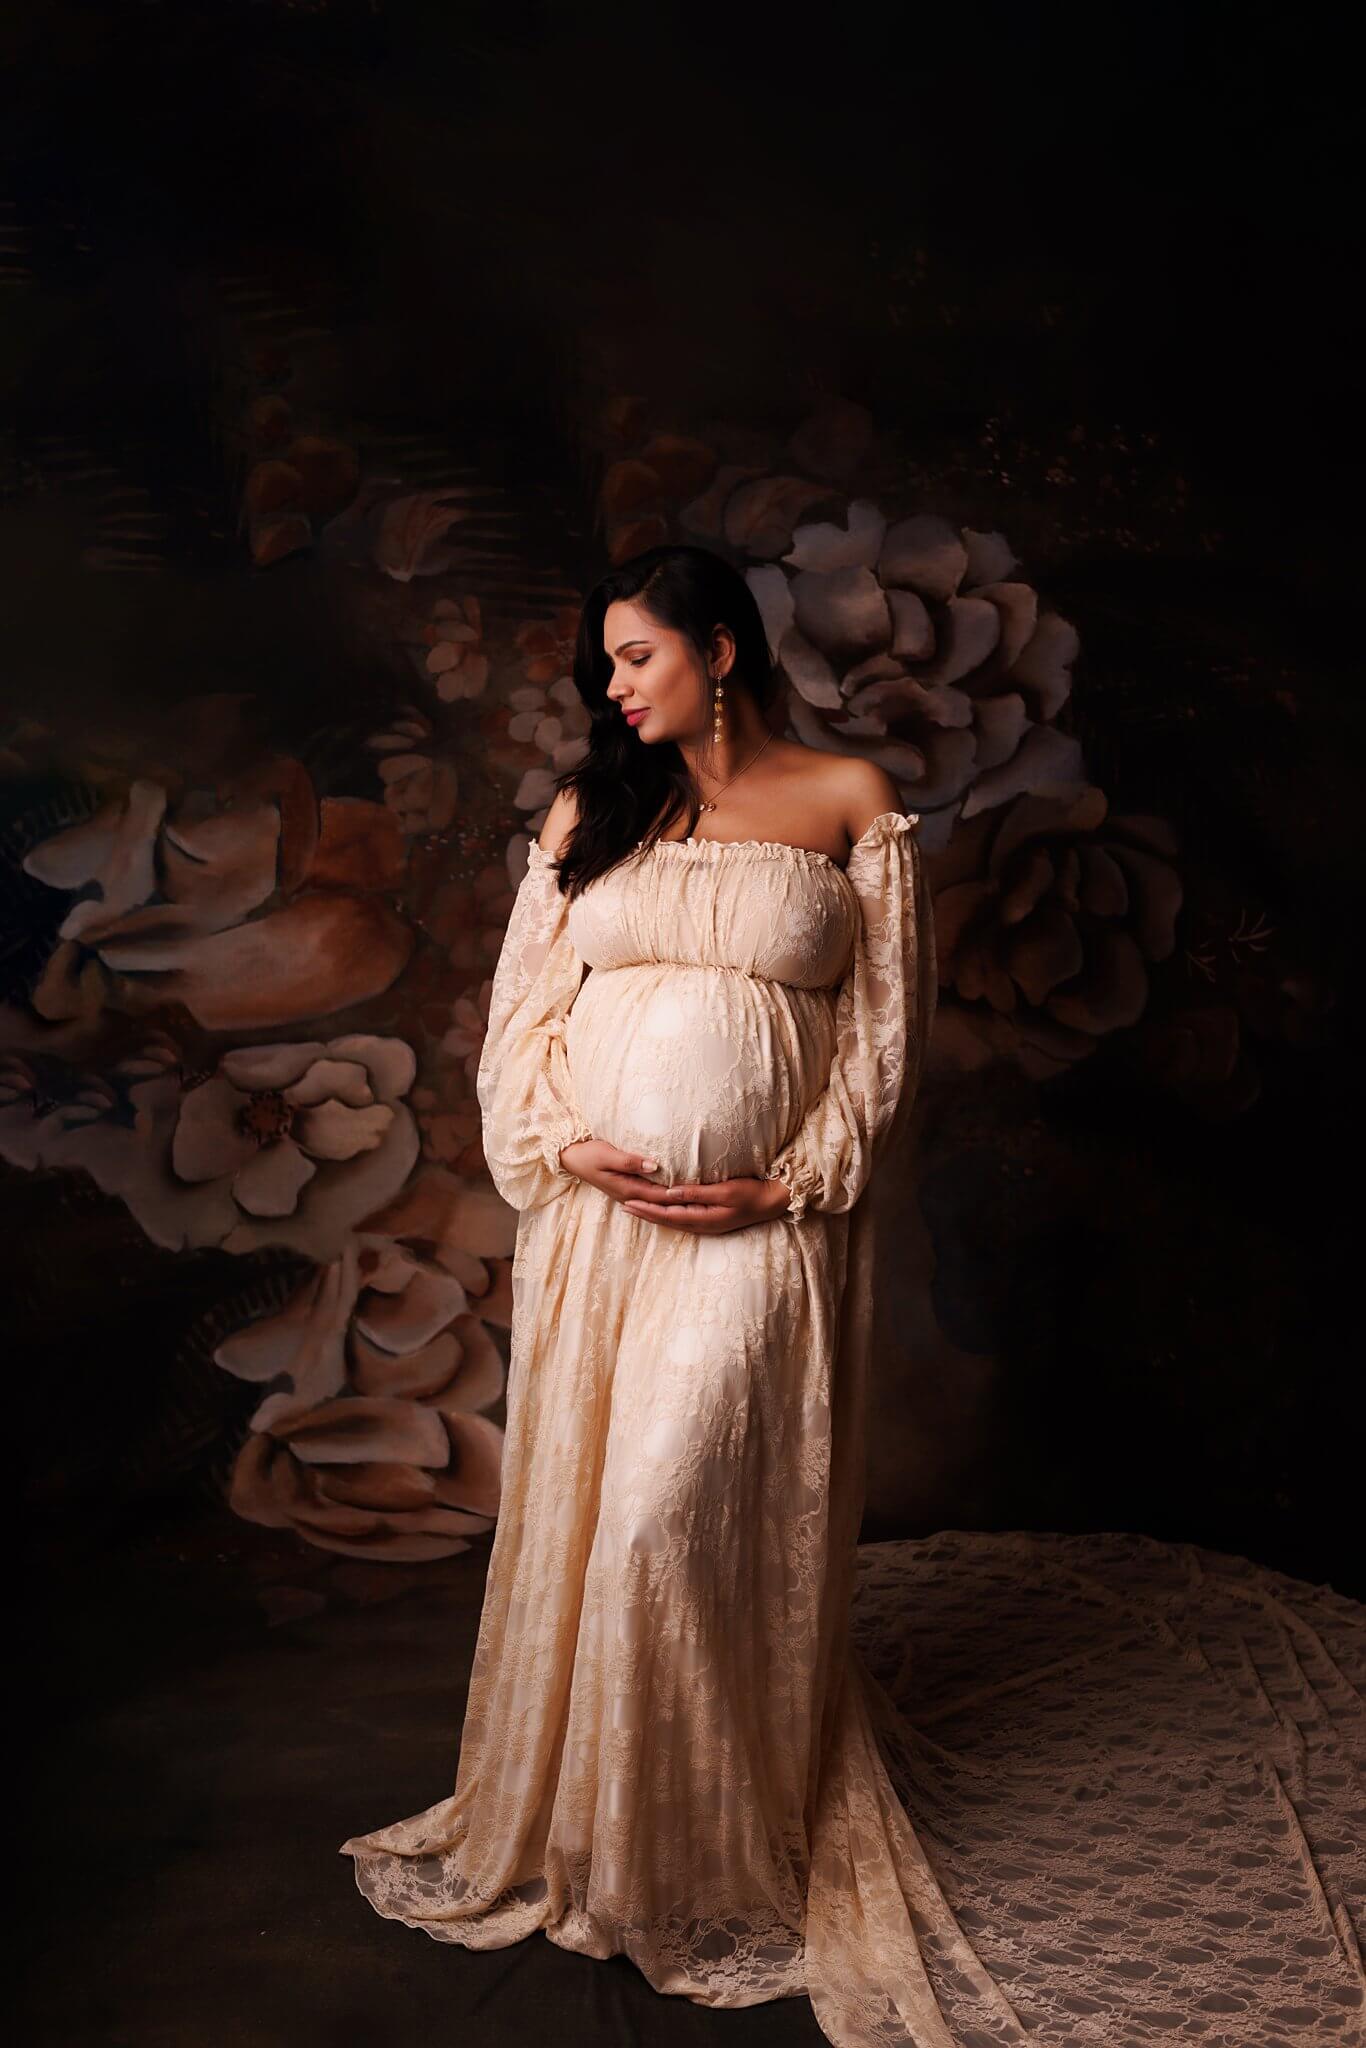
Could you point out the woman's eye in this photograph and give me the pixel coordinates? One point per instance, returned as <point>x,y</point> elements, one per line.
<point>641,663</point>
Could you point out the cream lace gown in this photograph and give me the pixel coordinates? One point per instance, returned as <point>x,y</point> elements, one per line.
<point>669,1747</point>
<point>1135,1766</point>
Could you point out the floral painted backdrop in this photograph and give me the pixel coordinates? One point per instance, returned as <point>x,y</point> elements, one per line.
<point>284,711</point>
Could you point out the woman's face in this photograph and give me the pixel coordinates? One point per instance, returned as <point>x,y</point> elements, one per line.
<point>656,672</point>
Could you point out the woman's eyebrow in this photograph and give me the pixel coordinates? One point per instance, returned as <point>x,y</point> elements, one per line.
<point>630,643</point>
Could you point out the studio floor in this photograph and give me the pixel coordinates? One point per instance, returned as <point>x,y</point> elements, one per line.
<point>215,1708</point>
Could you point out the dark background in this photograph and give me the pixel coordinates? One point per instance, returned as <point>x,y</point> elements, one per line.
<point>1123,240</point>
<point>990,227</point>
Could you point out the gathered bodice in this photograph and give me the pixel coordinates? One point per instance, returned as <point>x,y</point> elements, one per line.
<point>750,1008</point>
<point>708,1025</point>
<point>779,913</point>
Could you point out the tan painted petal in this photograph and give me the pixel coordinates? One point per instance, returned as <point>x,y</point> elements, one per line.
<point>318,954</point>
<point>341,1080</point>
<point>135,1165</point>
<point>222,866</point>
<point>379,1485</point>
<point>773,595</point>
<point>72,985</point>
<point>269,1066</point>
<point>1045,667</point>
<point>1032,876</point>
<point>1001,723</point>
<point>266,1485</point>
<point>270,1184</point>
<point>207,1143</point>
<point>809,671</point>
<point>332,1131</point>
<point>359,847</point>
<point>480,1379</point>
<point>451,1212</point>
<point>845,614</point>
<point>1158,893</point>
<point>1019,608</point>
<point>1043,951</point>
<point>823,546</point>
<point>969,633</point>
<point>339,1199</point>
<point>142,939</point>
<point>1104,890</point>
<point>760,515</point>
<point>306,1339</point>
<point>393,1539</point>
<point>1046,762</point>
<point>468,680</point>
<point>386,1267</point>
<point>495,1306</point>
<point>474,1481</point>
<point>913,637</point>
<point>536,787</point>
<point>390,1062</point>
<point>906,764</point>
<point>1112,991</point>
<point>413,1375</point>
<point>990,558</point>
<point>114,848</point>
<point>923,553</point>
<point>333,1524</point>
<point>368,1426</point>
<point>407,1321</point>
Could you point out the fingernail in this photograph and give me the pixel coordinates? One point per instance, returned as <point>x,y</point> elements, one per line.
<point>649,1164</point>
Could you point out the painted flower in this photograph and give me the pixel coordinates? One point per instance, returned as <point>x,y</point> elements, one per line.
<point>420,788</point>
<point>912,644</point>
<point>448,649</point>
<point>544,716</point>
<point>375,1444</point>
<point>1047,916</point>
<point>252,906</point>
<point>301,1137</point>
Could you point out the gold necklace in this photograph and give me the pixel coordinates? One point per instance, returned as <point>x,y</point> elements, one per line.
<point>711,806</point>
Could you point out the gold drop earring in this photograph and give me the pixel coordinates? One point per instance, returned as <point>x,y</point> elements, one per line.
<point>716,710</point>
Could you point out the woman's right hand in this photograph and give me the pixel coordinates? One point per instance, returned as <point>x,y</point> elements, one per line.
<point>625,1176</point>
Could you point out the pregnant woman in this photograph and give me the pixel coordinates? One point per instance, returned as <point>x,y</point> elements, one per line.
<point>706,1025</point>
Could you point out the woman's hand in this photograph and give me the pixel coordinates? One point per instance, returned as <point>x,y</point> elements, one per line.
<point>619,1174</point>
<point>710,1207</point>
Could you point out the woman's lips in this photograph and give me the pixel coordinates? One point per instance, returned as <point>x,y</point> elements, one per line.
<point>634,717</point>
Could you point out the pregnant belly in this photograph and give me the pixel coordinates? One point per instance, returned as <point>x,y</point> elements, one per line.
<point>710,1072</point>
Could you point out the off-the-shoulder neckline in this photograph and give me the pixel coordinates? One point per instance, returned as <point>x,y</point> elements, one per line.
<point>883,825</point>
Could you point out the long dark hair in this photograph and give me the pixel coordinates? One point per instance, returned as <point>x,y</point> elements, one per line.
<point>625,791</point>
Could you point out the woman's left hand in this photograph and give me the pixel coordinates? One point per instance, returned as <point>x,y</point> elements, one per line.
<point>710,1207</point>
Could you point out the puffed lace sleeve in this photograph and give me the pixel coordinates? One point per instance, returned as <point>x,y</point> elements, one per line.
<point>525,1093</point>
<point>884,1012</point>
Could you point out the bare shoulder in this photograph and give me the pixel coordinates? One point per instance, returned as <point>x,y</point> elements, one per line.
<point>560,821</point>
<point>857,789</point>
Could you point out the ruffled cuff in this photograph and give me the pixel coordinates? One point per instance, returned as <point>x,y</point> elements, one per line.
<point>567,1130</point>
<point>797,1190</point>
